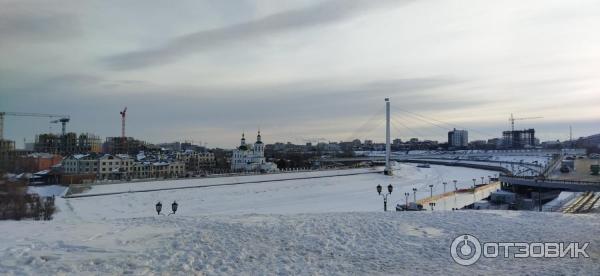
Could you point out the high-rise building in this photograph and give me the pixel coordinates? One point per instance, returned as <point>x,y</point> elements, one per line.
<point>518,139</point>
<point>458,138</point>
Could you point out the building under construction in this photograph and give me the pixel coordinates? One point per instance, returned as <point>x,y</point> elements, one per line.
<point>7,154</point>
<point>67,144</point>
<point>89,142</point>
<point>120,145</point>
<point>518,139</point>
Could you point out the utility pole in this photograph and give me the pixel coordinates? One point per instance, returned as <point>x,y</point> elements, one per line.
<point>388,149</point>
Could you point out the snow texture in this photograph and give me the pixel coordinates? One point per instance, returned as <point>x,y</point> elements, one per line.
<point>370,243</point>
<point>325,226</point>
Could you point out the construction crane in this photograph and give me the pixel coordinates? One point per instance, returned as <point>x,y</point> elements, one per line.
<point>123,113</point>
<point>513,119</point>
<point>64,122</point>
<point>2,114</point>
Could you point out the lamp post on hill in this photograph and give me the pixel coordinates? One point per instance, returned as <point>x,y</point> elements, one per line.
<point>415,194</point>
<point>385,196</point>
<point>406,195</point>
<point>158,207</point>
<point>174,207</point>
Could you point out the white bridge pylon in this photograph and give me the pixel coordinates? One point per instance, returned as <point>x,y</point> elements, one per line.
<point>388,148</point>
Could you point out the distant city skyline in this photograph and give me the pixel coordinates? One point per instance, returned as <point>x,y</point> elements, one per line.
<point>299,70</point>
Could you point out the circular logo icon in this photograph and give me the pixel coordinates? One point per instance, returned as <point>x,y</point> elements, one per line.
<point>465,249</point>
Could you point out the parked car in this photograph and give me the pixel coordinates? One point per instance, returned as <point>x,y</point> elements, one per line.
<point>564,169</point>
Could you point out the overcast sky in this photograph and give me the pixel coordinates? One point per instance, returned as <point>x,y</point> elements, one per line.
<point>208,70</point>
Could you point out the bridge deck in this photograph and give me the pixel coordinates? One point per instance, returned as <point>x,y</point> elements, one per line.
<point>567,185</point>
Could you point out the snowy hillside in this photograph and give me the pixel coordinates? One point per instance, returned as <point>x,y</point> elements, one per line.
<point>403,243</point>
<point>282,225</point>
<point>315,195</point>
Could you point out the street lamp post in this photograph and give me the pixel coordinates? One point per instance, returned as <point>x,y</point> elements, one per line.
<point>385,196</point>
<point>455,190</point>
<point>539,194</point>
<point>444,183</point>
<point>158,207</point>
<point>415,194</point>
<point>406,195</point>
<point>431,190</point>
<point>482,181</point>
<point>474,199</point>
<point>431,205</point>
<point>174,206</point>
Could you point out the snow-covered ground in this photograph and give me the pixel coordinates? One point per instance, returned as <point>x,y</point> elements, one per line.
<point>332,225</point>
<point>370,243</point>
<point>563,198</point>
<point>315,195</point>
<point>210,181</point>
<point>525,169</point>
<point>47,190</point>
